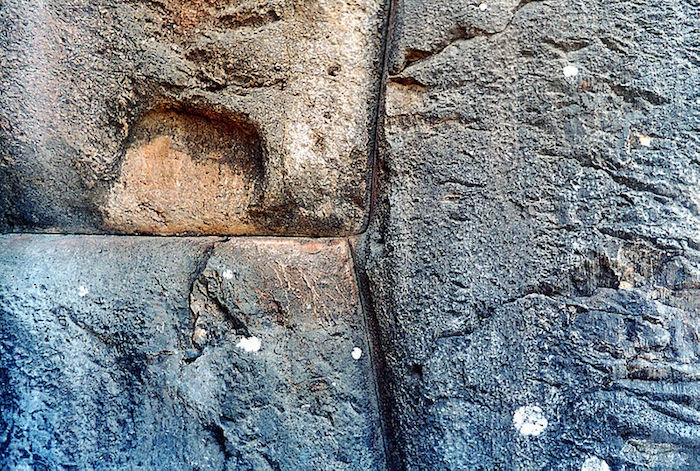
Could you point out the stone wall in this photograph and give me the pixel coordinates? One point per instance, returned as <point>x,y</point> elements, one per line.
<point>486,249</point>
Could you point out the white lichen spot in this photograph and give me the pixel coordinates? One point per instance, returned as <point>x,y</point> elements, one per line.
<point>82,291</point>
<point>199,336</point>
<point>483,6</point>
<point>570,71</point>
<point>644,141</point>
<point>249,344</point>
<point>529,420</point>
<point>356,353</point>
<point>595,464</point>
<point>227,274</point>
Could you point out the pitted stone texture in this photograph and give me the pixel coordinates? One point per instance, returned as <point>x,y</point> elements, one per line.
<point>102,367</point>
<point>292,82</point>
<point>537,236</point>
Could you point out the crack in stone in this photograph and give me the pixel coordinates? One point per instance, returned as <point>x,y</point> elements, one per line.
<point>462,34</point>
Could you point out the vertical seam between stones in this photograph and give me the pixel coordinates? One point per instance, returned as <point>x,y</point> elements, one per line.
<point>372,331</point>
<point>379,114</point>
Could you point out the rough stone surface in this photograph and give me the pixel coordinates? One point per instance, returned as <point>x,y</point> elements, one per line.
<point>530,275</point>
<point>535,265</point>
<point>183,354</point>
<point>107,106</point>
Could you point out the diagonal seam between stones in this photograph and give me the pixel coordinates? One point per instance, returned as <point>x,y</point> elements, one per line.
<point>375,352</point>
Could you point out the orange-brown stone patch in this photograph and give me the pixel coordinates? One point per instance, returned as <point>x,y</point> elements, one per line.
<point>186,173</point>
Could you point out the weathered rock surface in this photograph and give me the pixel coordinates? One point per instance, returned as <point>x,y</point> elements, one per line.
<point>108,106</point>
<point>535,264</point>
<point>531,274</point>
<point>183,354</point>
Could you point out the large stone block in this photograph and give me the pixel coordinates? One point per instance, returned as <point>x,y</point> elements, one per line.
<point>181,354</point>
<point>173,117</point>
<point>534,266</point>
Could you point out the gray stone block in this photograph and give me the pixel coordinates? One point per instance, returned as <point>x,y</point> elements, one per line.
<point>534,265</point>
<point>181,354</point>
